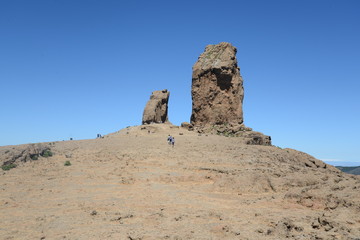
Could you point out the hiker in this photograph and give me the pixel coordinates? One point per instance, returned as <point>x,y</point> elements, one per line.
<point>173,141</point>
<point>169,139</point>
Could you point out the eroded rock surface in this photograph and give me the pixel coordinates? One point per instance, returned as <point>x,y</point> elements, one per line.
<point>156,109</point>
<point>217,95</point>
<point>24,153</point>
<point>217,88</point>
<point>256,138</point>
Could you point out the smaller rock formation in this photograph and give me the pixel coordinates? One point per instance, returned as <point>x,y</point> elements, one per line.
<point>156,109</point>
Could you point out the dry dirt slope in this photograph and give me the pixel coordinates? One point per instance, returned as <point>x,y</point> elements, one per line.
<point>132,185</point>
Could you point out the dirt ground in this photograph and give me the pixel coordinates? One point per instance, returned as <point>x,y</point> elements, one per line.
<point>133,185</point>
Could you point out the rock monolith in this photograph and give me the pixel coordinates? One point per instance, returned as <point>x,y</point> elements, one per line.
<point>156,109</point>
<point>217,88</point>
<point>217,95</point>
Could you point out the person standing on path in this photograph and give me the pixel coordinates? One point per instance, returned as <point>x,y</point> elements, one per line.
<point>173,141</point>
<point>169,139</point>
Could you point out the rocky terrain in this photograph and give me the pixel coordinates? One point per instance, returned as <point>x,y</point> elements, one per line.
<point>133,185</point>
<point>221,180</point>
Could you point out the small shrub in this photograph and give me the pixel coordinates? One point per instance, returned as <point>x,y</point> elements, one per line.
<point>8,166</point>
<point>47,153</point>
<point>67,163</point>
<point>34,156</point>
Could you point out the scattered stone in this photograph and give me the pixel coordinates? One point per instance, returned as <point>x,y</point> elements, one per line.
<point>187,125</point>
<point>121,218</point>
<point>315,225</point>
<point>285,228</point>
<point>257,138</point>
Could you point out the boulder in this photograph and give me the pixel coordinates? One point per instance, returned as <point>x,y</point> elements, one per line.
<point>217,88</point>
<point>156,108</point>
<point>187,126</point>
<point>256,138</point>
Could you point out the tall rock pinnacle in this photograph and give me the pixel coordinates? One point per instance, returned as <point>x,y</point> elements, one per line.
<point>217,88</point>
<point>156,108</point>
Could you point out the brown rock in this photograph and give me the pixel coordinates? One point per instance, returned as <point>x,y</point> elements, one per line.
<point>187,125</point>
<point>217,93</point>
<point>217,88</point>
<point>156,109</point>
<point>25,153</point>
<point>257,138</point>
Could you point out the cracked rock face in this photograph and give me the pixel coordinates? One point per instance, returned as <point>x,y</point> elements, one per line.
<point>156,109</point>
<point>217,88</point>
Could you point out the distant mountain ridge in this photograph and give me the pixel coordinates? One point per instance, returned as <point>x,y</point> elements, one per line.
<point>351,170</point>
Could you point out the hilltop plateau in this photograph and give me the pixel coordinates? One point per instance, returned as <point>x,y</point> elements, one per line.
<point>133,185</point>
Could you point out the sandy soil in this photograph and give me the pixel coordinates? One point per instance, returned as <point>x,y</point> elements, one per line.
<point>133,185</point>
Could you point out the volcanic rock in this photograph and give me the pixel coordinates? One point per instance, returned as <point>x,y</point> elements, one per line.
<point>217,88</point>
<point>187,125</point>
<point>256,138</point>
<point>156,109</point>
<point>217,95</point>
<point>25,153</point>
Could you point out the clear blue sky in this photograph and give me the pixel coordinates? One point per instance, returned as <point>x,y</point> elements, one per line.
<point>76,68</point>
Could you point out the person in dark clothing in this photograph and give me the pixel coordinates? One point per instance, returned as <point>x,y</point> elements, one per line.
<point>169,140</point>
<point>173,141</point>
